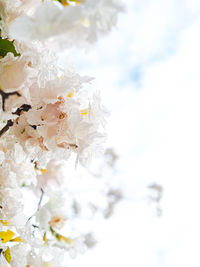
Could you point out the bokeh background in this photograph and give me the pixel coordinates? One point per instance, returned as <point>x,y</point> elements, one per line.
<point>148,71</point>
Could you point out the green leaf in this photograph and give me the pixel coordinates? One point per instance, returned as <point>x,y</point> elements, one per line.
<point>7,46</point>
<point>7,255</point>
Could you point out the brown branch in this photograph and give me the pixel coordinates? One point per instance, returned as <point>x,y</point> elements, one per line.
<point>6,127</point>
<point>17,112</point>
<point>5,96</point>
<point>24,107</point>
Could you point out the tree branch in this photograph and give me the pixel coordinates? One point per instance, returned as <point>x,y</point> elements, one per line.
<point>5,96</point>
<point>24,107</point>
<point>6,127</point>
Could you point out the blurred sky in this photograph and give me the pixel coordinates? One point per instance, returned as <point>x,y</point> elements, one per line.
<point>148,71</point>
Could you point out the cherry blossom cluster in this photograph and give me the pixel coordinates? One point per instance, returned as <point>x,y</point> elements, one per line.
<point>47,113</point>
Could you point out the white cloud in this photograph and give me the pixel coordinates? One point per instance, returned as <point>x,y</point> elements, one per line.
<point>156,130</point>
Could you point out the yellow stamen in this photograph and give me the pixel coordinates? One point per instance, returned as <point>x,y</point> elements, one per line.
<point>5,223</point>
<point>84,112</point>
<point>64,2</point>
<point>71,93</point>
<point>22,131</point>
<point>7,255</point>
<point>61,237</point>
<point>66,239</point>
<point>85,22</point>
<point>6,236</point>
<point>45,239</point>
<point>17,239</point>
<point>43,171</point>
<point>4,149</point>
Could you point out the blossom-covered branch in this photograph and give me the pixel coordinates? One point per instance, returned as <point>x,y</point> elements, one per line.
<point>47,114</point>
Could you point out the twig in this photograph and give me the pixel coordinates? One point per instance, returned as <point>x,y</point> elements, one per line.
<point>35,226</point>
<point>6,127</point>
<point>39,204</point>
<point>5,96</point>
<point>24,107</point>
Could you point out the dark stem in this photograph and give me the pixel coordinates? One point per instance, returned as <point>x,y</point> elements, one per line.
<point>39,204</point>
<point>5,96</point>
<point>6,127</point>
<point>24,107</point>
<point>42,194</point>
<point>35,226</point>
<point>10,123</point>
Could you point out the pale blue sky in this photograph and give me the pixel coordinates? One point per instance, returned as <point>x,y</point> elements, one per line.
<point>148,71</point>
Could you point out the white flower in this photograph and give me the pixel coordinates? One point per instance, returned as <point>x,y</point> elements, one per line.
<point>57,258</point>
<point>13,8</point>
<point>77,246</point>
<point>19,255</point>
<point>11,181</point>
<point>18,72</point>
<point>3,261</point>
<point>52,214</point>
<point>48,115</point>
<point>52,176</point>
<point>26,234</point>
<point>36,64</point>
<point>76,24</point>
<point>11,203</point>
<point>16,166</point>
